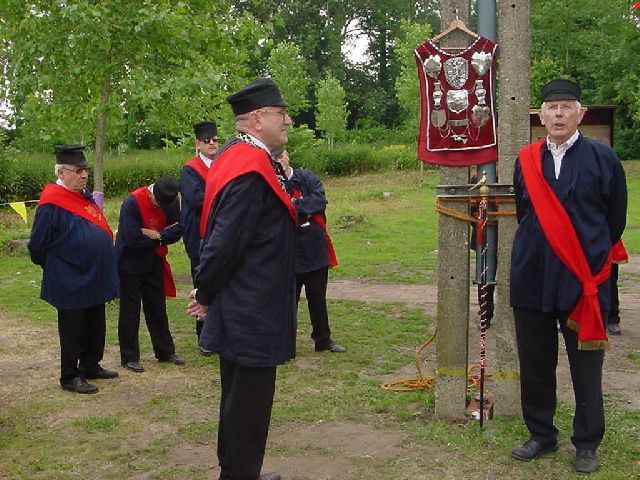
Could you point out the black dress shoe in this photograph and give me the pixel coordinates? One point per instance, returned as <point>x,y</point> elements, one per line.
<point>586,461</point>
<point>133,366</point>
<point>533,449</point>
<point>614,329</point>
<point>102,373</point>
<point>331,347</point>
<point>79,385</point>
<point>173,359</point>
<point>270,476</point>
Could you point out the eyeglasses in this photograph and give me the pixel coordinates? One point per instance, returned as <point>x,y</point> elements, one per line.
<point>209,141</point>
<point>77,171</point>
<point>564,107</point>
<point>282,113</point>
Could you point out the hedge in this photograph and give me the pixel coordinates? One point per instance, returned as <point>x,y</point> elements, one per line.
<point>22,176</point>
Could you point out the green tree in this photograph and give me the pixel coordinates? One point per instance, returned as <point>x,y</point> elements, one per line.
<point>78,67</point>
<point>407,85</point>
<point>332,109</point>
<point>287,67</point>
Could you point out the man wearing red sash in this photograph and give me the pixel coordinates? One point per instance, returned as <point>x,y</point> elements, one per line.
<point>571,201</point>
<point>245,280</point>
<point>72,242</point>
<point>314,248</point>
<point>148,223</point>
<point>192,182</point>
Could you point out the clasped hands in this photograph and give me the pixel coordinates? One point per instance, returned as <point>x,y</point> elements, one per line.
<point>195,309</point>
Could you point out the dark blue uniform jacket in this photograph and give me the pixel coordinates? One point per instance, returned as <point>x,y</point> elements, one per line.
<point>192,192</point>
<point>311,242</point>
<point>592,189</point>
<point>136,252</point>
<point>77,259</point>
<point>246,276</point>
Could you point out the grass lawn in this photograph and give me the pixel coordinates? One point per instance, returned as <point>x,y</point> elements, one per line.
<point>330,420</point>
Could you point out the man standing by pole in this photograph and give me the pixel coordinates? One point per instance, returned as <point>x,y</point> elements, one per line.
<point>245,280</point>
<point>571,201</point>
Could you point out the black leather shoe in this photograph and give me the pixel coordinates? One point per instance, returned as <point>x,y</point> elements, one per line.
<point>173,359</point>
<point>133,366</point>
<point>614,329</point>
<point>270,476</point>
<point>533,449</point>
<point>79,385</point>
<point>331,347</point>
<point>586,461</point>
<point>102,373</point>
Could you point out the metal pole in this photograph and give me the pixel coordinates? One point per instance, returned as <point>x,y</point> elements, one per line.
<point>487,28</point>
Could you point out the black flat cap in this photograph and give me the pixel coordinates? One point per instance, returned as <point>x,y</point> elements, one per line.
<point>165,190</point>
<point>262,92</point>
<point>560,89</point>
<point>205,130</point>
<point>70,155</point>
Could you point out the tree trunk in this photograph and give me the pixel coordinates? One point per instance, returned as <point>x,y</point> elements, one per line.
<point>101,129</point>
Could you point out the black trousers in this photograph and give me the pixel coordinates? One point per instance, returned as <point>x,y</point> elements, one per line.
<point>149,289</point>
<point>537,339</point>
<point>614,313</point>
<point>245,414</point>
<point>315,289</point>
<point>82,337</point>
<point>194,263</point>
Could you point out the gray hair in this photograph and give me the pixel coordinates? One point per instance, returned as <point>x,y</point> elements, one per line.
<point>58,166</point>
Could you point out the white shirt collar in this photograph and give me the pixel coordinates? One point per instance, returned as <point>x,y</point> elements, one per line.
<point>558,151</point>
<point>564,146</point>
<point>206,160</point>
<point>258,142</point>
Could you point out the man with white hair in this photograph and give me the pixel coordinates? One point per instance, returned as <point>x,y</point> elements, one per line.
<point>571,201</point>
<point>72,242</point>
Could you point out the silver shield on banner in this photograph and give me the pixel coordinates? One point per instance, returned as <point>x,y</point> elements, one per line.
<point>457,100</point>
<point>456,71</point>
<point>481,61</point>
<point>433,65</point>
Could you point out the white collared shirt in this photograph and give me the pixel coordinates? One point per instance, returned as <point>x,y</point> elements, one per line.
<point>206,160</point>
<point>559,151</point>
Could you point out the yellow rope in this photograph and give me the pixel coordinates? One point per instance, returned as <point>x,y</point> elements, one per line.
<point>422,382</point>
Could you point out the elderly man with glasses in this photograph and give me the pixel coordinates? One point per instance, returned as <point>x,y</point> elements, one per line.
<point>571,203</point>
<point>72,242</point>
<point>245,280</point>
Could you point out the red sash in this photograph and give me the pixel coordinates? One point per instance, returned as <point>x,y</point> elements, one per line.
<point>199,166</point>
<point>153,217</point>
<point>320,220</point>
<point>586,318</point>
<point>619,253</point>
<point>75,203</point>
<point>235,161</point>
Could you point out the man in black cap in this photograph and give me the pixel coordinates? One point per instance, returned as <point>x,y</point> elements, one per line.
<point>245,280</point>
<point>571,201</point>
<point>72,242</point>
<point>192,183</point>
<point>315,253</point>
<point>148,223</point>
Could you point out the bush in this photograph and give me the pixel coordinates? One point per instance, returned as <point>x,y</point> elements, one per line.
<point>352,159</point>
<point>22,180</point>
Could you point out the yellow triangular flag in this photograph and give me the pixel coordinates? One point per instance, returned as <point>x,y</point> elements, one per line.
<point>21,209</point>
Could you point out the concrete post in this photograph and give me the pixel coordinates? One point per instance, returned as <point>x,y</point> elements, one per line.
<point>513,133</point>
<point>453,271</point>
